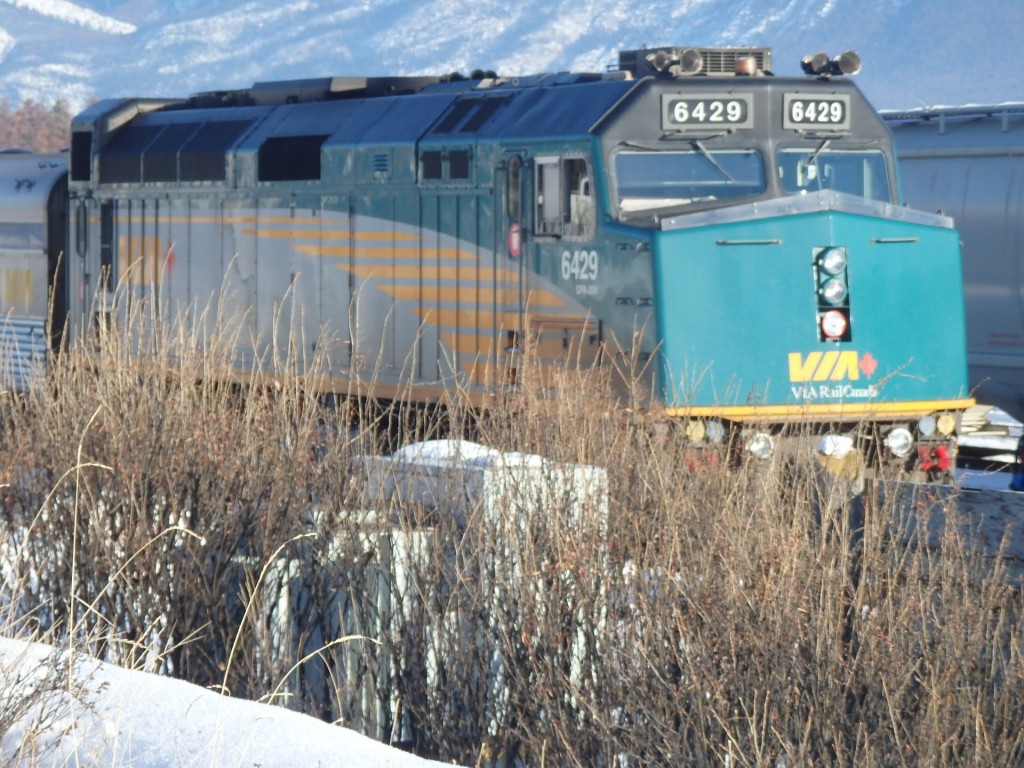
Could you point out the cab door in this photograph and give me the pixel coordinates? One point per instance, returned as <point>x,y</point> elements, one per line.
<point>564,302</point>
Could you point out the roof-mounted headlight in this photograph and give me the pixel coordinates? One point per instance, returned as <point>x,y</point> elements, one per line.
<point>690,61</point>
<point>846,63</point>
<point>815,63</point>
<point>687,61</point>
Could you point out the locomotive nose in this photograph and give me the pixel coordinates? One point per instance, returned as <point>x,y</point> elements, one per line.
<point>812,308</point>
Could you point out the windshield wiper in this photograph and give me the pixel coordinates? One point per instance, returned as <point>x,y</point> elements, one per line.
<point>695,143</point>
<point>814,154</point>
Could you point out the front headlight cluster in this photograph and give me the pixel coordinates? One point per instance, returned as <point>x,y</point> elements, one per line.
<point>900,441</point>
<point>831,277</point>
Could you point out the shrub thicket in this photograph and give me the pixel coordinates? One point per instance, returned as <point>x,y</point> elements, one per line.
<point>704,612</point>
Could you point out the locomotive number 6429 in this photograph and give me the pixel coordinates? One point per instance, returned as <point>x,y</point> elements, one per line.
<point>800,111</point>
<point>680,113</point>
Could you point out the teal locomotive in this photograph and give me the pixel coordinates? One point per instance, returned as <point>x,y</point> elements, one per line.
<point>736,236</point>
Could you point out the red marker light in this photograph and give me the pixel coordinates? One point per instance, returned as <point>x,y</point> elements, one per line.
<point>515,240</point>
<point>833,324</point>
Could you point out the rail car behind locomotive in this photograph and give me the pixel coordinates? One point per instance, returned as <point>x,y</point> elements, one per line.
<point>968,163</point>
<point>736,235</point>
<point>33,227</point>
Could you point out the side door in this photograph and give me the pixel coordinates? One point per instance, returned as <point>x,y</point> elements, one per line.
<point>336,257</point>
<point>564,303</point>
<point>300,307</point>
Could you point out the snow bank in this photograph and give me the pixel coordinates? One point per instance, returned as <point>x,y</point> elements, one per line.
<point>135,719</point>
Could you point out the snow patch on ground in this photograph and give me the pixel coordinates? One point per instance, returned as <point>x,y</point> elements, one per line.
<point>131,719</point>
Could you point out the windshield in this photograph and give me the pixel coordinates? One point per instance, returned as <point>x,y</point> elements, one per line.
<point>648,180</point>
<point>857,173</point>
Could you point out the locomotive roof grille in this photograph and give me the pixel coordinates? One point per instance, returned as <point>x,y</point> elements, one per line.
<point>203,156</point>
<point>674,61</point>
<point>121,159</point>
<point>483,113</point>
<point>455,115</point>
<point>469,115</point>
<point>722,61</point>
<point>161,163</point>
<point>173,152</point>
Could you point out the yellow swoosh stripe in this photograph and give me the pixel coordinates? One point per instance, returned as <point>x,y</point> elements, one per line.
<point>432,272</point>
<point>363,251</point>
<point>838,411</point>
<point>471,294</point>
<point>327,234</point>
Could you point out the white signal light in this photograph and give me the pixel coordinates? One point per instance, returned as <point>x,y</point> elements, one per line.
<point>833,324</point>
<point>834,291</point>
<point>833,261</point>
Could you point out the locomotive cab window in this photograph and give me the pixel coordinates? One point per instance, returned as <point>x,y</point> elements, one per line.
<point>564,197</point>
<point>860,173</point>
<point>652,180</point>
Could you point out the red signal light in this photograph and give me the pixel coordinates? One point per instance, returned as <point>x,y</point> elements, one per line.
<point>833,324</point>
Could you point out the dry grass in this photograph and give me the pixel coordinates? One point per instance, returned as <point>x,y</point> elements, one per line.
<point>710,614</point>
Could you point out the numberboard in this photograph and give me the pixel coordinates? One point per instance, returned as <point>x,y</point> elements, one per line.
<point>801,111</point>
<point>681,112</point>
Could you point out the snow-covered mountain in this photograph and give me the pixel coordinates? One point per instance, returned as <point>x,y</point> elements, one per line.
<point>915,52</point>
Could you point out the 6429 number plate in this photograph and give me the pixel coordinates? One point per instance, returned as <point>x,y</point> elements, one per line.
<point>691,112</point>
<point>802,111</point>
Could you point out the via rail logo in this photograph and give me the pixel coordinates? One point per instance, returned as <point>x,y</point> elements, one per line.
<point>832,375</point>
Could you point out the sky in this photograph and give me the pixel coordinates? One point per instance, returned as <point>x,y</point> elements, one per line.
<point>916,53</point>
